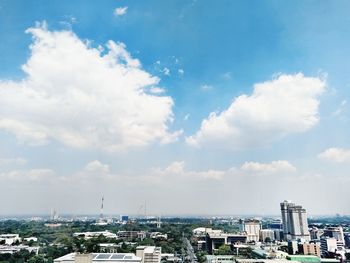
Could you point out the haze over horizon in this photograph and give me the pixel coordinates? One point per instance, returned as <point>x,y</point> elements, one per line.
<point>197,107</point>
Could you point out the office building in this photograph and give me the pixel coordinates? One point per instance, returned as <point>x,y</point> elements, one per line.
<point>149,254</point>
<point>251,228</point>
<point>294,218</point>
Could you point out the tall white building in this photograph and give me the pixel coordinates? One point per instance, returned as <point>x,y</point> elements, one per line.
<point>295,224</point>
<point>251,228</point>
<point>149,254</point>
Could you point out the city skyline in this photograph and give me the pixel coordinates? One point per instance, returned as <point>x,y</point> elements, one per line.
<point>196,107</point>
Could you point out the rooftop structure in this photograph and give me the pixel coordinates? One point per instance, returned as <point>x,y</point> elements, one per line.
<point>102,258</point>
<point>88,235</point>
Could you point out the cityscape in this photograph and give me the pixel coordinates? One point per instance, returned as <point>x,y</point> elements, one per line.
<point>174,131</point>
<point>288,238</point>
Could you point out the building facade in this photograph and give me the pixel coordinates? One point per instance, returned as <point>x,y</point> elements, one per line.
<point>251,228</point>
<point>149,254</point>
<point>294,218</point>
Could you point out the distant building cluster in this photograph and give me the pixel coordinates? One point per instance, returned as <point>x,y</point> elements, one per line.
<point>13,243</point>
<point>289,238</point>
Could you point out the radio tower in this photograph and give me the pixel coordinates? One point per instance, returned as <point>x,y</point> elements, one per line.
<point>101,214</point>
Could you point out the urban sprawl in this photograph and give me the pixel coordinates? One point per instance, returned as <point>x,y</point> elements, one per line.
<point>289,238</point>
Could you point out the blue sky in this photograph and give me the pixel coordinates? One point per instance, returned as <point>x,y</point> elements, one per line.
<point>203,127</point>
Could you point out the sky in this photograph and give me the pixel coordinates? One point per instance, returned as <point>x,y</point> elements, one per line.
<point>194,107</point>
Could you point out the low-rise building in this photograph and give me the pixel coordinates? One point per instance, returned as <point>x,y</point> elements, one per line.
<point>14,249</point>
<point>88,235</point>
<point>131,235</point>
<point>99,258</point>
<point>149,254</point>
<point>214,240</point>
<point>9,239</point>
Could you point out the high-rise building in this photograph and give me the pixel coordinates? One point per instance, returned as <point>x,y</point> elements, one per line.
<point>251,227</point>
<point>294,220</point>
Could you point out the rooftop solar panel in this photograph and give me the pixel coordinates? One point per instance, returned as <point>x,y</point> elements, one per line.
<point>118,256</point>
<point>103,256</point>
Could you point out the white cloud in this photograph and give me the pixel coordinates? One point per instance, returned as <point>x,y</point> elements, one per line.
<point>83,98</point>
<point>166,71</point>
<point>280,166</point>
<point>181,71</point>
<point>120,11</point>
<point>226,75</point>
<point>206,87</point>
<point>340,110</point>
<point>337,155</point>
<point>34,175</point>
<point>156,90</point>
<point>286,105</point>
<point>12,161</point>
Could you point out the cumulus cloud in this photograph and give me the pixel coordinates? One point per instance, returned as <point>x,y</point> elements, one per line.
<point>273,167</point>
<point>206,87</point>
<point>34,175</point>
<point>82,97</point>
<point>247,169</point>
<point>12,161</point>
<point>337,155</point>
<point>120,11</point>
<point>285,105</point>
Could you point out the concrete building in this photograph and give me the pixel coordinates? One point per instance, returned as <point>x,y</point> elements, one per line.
<point>14,249</point>
<point>149,254</point>
<point>99,258</point>
<point>294,218</point>
<point>328,244</point>
<point>337,233</point>
<point>215,240</point>
<point>251,227</point>
<point>309,249</point>
<point>278,234</point>
<point>10,239</point>
<point>131,235</point>
<point>292,247</point>
<point>267,234</point>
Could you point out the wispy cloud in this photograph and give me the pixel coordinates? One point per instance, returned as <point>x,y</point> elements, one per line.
<point>120,11</point>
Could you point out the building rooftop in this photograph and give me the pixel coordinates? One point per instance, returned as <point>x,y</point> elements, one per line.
<point>98,257</point>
